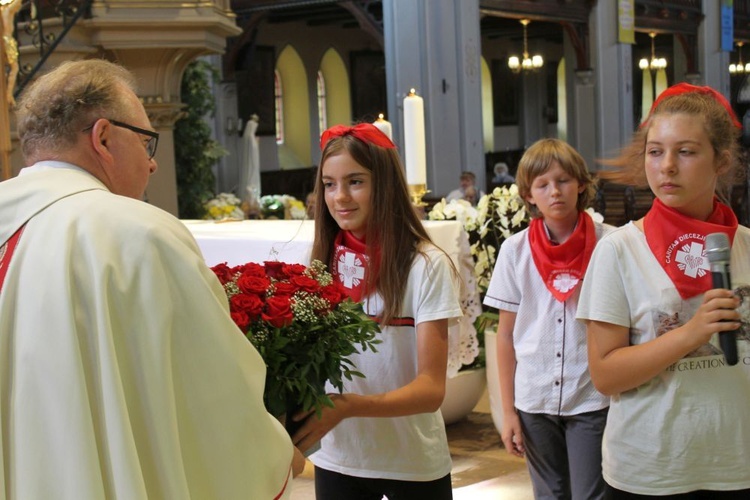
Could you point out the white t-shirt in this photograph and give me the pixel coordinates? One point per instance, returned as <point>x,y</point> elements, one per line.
<point>410,448</point>
<point>688,428</point>
<point>552,374</point>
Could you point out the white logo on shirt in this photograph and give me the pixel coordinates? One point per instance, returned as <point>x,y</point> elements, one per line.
<point>564,282</point>
<point>691,259</point>
<point>350,269</point>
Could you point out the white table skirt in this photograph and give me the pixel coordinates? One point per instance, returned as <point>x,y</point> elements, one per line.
<point>238,242</point>
<point>290,241</point>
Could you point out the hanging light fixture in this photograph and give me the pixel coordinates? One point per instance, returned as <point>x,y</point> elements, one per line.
<point>656,63</point>
<point>739,68</point>
<point>527,63</point>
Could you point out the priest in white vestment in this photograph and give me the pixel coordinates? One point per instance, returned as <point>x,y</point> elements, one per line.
<point>122,374</point>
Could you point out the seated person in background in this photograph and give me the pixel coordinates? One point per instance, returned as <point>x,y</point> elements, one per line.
<point>501,173</point>
<point>467,191</point>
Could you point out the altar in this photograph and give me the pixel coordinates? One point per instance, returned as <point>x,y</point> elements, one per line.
<point>238,242</point>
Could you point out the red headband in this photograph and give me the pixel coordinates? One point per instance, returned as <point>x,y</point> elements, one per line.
<point>683,88</point>
<point>365,132</point>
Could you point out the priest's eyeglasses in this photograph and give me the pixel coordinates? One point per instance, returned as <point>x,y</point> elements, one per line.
<point>152,142</point>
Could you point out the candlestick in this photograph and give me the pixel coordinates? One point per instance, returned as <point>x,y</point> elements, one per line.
<point>384,126</point>
<point>415,156</point>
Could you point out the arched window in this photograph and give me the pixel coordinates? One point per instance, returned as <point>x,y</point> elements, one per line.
<point>279,107</point>
<point>322,113</point>
<point>335,107</point>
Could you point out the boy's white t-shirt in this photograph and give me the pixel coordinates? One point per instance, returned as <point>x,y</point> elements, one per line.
<point>410,448</point>
<point>688,428</point>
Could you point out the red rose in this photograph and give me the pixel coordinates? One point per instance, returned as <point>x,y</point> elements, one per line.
<point>294,269</point>
<point>223,272</point>
<point>253,284</point>
<point>252,269</point>
<point>305,283</point>
<point>333,294</point>
<point>250,304</point>
<point>275,269</point>
<point>278,311</point>
<point>241,320</point>
<point>285,288</point>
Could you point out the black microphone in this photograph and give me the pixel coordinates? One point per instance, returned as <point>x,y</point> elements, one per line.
<point>717,251</point>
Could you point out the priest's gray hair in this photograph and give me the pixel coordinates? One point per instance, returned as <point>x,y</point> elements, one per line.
<point>59,105</point>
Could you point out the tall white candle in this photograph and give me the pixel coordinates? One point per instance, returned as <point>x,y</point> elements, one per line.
<point>415,150</point>
<point>384,126</point>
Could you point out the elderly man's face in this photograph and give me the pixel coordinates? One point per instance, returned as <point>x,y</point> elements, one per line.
<point>133,165</point>
<point>466,182</point>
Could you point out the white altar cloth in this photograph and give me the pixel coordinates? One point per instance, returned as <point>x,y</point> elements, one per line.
<point>238,242</point>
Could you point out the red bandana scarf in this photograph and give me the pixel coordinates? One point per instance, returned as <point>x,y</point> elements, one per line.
<point>562,266</point>
<point>351,266</point>
<point>677,240</point>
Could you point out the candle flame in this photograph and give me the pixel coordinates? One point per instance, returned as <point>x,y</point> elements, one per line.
<point>381,117</point>
<point>412,92</point>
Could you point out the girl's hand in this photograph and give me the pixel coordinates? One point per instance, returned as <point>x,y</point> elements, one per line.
<point>511,434</point>
<point>315,428</point>
<point>717,313</point>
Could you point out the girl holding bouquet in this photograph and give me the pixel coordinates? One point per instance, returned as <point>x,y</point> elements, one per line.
<point>385,435</point>
<point>677,425</point>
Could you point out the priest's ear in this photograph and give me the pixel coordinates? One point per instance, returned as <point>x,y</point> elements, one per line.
<point>100,135</point>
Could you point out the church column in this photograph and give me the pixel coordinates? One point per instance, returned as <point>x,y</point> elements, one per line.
<point>162,187</point>
<point>433,46</point>
<point>156,40</point>
<point>713,62</point>
<point>611,63</point>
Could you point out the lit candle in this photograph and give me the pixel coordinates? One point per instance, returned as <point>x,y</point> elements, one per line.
<point>415,155</point>
<point>384,126</point>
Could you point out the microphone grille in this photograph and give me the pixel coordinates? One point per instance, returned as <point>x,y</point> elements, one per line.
<point>717,247</point>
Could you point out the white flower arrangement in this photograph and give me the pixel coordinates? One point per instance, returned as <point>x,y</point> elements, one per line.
<point>497,216</point>
<point>224,206</point>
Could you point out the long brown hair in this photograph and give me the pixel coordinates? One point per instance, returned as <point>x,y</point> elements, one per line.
<point>392,222</point>
<point>630,164</point>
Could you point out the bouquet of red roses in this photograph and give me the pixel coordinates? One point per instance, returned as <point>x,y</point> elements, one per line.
<point>302,324</point>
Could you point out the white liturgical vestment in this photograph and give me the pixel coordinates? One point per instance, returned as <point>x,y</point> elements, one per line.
<point>122,374</point>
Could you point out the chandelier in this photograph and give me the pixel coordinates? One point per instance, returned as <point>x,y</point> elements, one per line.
<point>655,63</point>
<point>739,68</point>
<point>527,63</point>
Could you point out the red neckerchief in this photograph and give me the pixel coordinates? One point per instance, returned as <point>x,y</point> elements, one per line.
<point>677,242</point>
<point>351,266</point>
<point>562,266</point>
